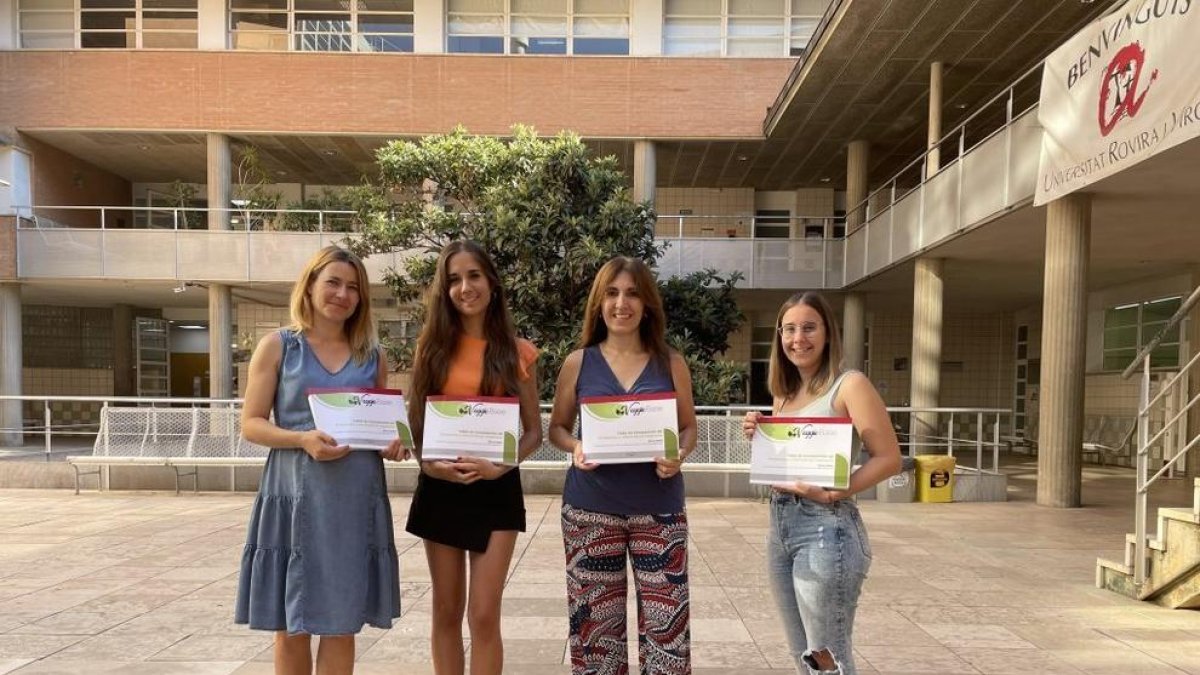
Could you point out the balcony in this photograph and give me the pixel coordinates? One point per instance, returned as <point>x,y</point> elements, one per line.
<point>994,170</point>
<point>163,248</point>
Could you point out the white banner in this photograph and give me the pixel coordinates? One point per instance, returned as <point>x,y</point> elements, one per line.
<point>1124,89</point>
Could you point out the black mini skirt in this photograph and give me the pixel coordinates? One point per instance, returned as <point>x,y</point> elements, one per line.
<point>464,516</point>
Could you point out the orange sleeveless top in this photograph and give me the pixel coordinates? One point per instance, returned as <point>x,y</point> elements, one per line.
<point>466,366</point>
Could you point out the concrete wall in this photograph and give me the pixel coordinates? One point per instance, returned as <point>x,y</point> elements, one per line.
<point>977,359</point>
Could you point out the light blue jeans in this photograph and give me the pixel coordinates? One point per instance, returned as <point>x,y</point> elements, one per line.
<point>817,556</point>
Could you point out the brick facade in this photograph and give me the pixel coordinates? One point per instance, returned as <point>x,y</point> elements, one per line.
<point>60,178</point>
<point>388,94</point>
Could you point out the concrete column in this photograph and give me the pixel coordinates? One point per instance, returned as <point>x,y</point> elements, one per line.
<point>645,171</point>
<point>220,304</point>
<point>8,28</point>
<point>429,26</point>
<point>10,362</point>
<point>926,361</point>
<point>1064,340</point>
<point>854,331</point>
<point>220,181</point>
<point>858,154</point>
<point>934,158</point>
<point>220,337</point>
<point>211,31</point>
<point>646,28</point>
<point>124,378</point>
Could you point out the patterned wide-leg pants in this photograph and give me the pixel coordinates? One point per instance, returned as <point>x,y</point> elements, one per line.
<point>597,545</point>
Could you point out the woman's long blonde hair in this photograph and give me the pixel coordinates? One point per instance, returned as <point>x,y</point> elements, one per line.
<point>783,377</point>
<point>360,327</point>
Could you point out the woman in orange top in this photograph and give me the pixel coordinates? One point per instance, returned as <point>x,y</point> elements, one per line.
<point>470,510</point>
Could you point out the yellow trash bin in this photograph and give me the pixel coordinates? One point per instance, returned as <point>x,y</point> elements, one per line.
<point>935,478</point>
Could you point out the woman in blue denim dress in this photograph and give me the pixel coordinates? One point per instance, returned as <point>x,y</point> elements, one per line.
<point>320,556</point>
<point>817,548</point>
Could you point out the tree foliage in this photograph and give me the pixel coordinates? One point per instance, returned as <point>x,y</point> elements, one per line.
<point>551,214</point>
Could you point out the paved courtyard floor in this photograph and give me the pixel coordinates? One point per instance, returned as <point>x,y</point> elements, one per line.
<point>144,583</point>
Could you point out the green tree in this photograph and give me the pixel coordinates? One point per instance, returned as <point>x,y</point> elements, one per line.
<point>551,214</point>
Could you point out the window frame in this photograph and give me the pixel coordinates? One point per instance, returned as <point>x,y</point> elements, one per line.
<point>787,37</point>
<point>139,30</point>
<point>506,36</point>
<point>1144,331</point>
<point>294,36</point>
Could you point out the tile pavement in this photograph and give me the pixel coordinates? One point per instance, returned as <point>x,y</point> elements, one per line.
<point>143,583</point>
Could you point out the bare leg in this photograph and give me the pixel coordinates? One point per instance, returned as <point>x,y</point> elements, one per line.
<point>335,655</point>
<point>293,654</point>
<point>488,571</point>
<point>448,572</point>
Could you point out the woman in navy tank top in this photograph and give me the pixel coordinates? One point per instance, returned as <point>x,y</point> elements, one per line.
<point>612,512</point>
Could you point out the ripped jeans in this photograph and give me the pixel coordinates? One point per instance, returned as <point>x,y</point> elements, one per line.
<point>817,557</point>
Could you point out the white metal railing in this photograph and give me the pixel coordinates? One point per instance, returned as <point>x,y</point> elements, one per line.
<point>1175,423</point>
<point>124,218</point>
<point>14,414</point>
<point>982,427</point>
<point>720,440</point>
<point>992,169</point>
<point>175,245</point>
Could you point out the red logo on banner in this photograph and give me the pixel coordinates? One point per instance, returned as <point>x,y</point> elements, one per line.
<point>1119,96</point>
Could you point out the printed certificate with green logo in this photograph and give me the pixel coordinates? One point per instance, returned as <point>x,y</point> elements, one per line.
<point>815,450</point>
<point>364,419</point>
<point>486,427</point>
<point>628,429</point>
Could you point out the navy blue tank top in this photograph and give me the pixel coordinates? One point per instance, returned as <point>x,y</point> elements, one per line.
<point>622,489</point>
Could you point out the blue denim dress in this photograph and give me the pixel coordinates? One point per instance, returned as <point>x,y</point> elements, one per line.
<point>817,558</point>
<point>320,555</point>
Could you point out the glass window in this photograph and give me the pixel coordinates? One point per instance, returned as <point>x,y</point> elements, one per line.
<point>460,44</point>
<point>601,46</point>
<point>46,24</point>
<point>108,24</point>
<point>756,7</point>
<point>322,25</point>
<point>1129,328</point>
<point>693,7</point>
<point>755,28</point>
<point>596,27</point>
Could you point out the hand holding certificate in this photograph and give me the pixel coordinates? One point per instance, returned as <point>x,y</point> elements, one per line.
<point>813,450</point>
<point>628,429</point>
<point>364,419</point>
<point>486,427</point>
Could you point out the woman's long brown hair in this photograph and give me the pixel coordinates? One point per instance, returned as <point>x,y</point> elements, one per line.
<point>443,328</point>
<point>652,329</point>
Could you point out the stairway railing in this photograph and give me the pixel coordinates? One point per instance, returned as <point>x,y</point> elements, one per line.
<point>1147,406</point>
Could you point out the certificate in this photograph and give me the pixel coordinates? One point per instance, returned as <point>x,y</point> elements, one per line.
<point>814,450</point>
<point>480,426</point>
<point>364,419</point>
<point>628,429</point>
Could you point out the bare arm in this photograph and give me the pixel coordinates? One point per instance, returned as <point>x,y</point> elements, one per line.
<point>566,408</point>
<point>261,384</point>
<point>260,398</point>
<point>685,410</point>
<point>864,405</point>
<point>531,415</point>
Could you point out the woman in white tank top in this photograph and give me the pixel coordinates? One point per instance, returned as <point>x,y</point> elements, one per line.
<point>818,553</point>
